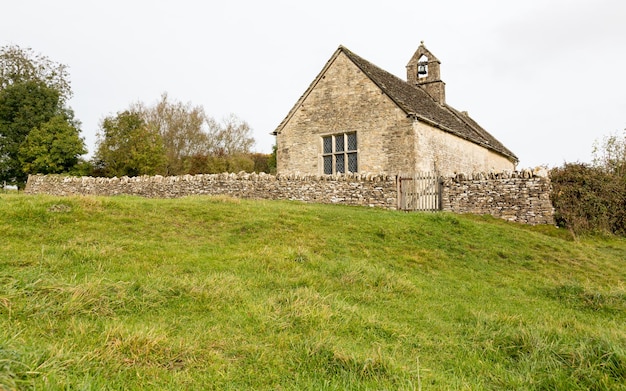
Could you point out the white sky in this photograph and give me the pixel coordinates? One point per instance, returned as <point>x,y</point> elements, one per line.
<point>545,77</point>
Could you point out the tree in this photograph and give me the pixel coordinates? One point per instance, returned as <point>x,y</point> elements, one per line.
<point>33,90</point>
<point>232,136</point>
<point>272,160</point>
<point>262,162</point>
<point>187,131</point>
<point>190,141</point>
<point>610,154</point>
<point>182,129</point>
<point>52,148</point>
<point>18,65</point>
<point>227,149</point>
<point>126,146</point>
<point>23,107</point>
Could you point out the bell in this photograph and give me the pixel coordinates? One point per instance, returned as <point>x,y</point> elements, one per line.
<point>421,69</point>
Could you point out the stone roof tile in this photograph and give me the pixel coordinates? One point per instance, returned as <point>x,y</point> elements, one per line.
<point>417,103</point>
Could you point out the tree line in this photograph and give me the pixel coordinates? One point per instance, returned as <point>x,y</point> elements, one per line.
<point>40,134</point>
<point>174,138</point>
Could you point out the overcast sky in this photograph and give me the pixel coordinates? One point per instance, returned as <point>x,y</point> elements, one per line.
<point>545,77</point>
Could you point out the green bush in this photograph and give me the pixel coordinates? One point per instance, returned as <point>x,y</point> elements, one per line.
<point>589,199</point>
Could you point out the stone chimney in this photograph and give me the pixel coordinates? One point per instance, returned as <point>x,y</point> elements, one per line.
<point>422,71</point>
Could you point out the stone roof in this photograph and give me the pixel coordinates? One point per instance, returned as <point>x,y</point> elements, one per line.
<point>418,104</point>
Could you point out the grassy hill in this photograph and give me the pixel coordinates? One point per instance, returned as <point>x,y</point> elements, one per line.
<point>216,293</point>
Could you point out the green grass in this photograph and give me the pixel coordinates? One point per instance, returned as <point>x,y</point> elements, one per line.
<point>216,293</point>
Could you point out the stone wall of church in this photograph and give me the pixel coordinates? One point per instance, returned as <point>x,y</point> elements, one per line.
<point>448,154</point>
<point>344,100</point>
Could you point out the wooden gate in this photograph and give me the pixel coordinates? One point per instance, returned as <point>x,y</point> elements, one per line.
<point>419,192</point>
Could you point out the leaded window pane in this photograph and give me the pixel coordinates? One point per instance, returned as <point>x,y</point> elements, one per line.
<point>328,144</point>
<point>352,163</point>
<point>339,143</point>
<point>339,163</point>
<point>328,165</point>
<point>339,154</point>
<point>352,142</point>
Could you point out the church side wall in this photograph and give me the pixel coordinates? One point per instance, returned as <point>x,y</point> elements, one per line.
<point>448,154</point>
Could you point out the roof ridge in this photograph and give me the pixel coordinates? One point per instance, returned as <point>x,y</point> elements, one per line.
<point>403,105</point>
<point>469,121</point>
<point>416,102</point>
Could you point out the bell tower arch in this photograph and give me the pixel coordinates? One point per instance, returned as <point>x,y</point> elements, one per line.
<point>423,72</point>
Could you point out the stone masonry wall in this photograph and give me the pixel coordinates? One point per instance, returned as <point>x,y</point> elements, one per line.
<point>345,100</point>
<point>448,154</point>
<point>364,190</point>
<point>515,196</point>
<point>523,197</point>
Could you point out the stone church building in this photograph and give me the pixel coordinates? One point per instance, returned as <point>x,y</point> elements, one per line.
<point>356,117</point>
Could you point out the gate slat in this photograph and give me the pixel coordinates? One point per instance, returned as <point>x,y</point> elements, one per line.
<point>419,192</point>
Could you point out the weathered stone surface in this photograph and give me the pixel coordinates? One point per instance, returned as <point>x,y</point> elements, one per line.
<point>399,127</point>
<point>521,197</point>
<point>377,190</point>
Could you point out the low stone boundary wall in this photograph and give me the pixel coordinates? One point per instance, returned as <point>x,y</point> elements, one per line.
<point>518,196</point>
<point>364,190</point>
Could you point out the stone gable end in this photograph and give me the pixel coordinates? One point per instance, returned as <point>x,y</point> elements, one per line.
<point>343,99</point>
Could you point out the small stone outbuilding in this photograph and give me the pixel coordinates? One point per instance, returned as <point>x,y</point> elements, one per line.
<point>356,117</point>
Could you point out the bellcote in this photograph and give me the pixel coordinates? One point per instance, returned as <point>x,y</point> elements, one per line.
<point>422,71</point>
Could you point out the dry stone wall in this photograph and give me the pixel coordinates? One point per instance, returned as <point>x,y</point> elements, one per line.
<point>518,196</point>
<point>363,190</point>
<point>515,196</point>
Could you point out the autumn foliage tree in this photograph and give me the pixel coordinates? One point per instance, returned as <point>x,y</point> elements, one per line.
<point>190,141</point>
<point>229,145</point>
<point>230,137</point>
<point>180,138</point>
<point>182,128</point>
<point>127,146</point>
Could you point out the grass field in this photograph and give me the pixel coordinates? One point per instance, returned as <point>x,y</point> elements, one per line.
<point>216,293</point>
